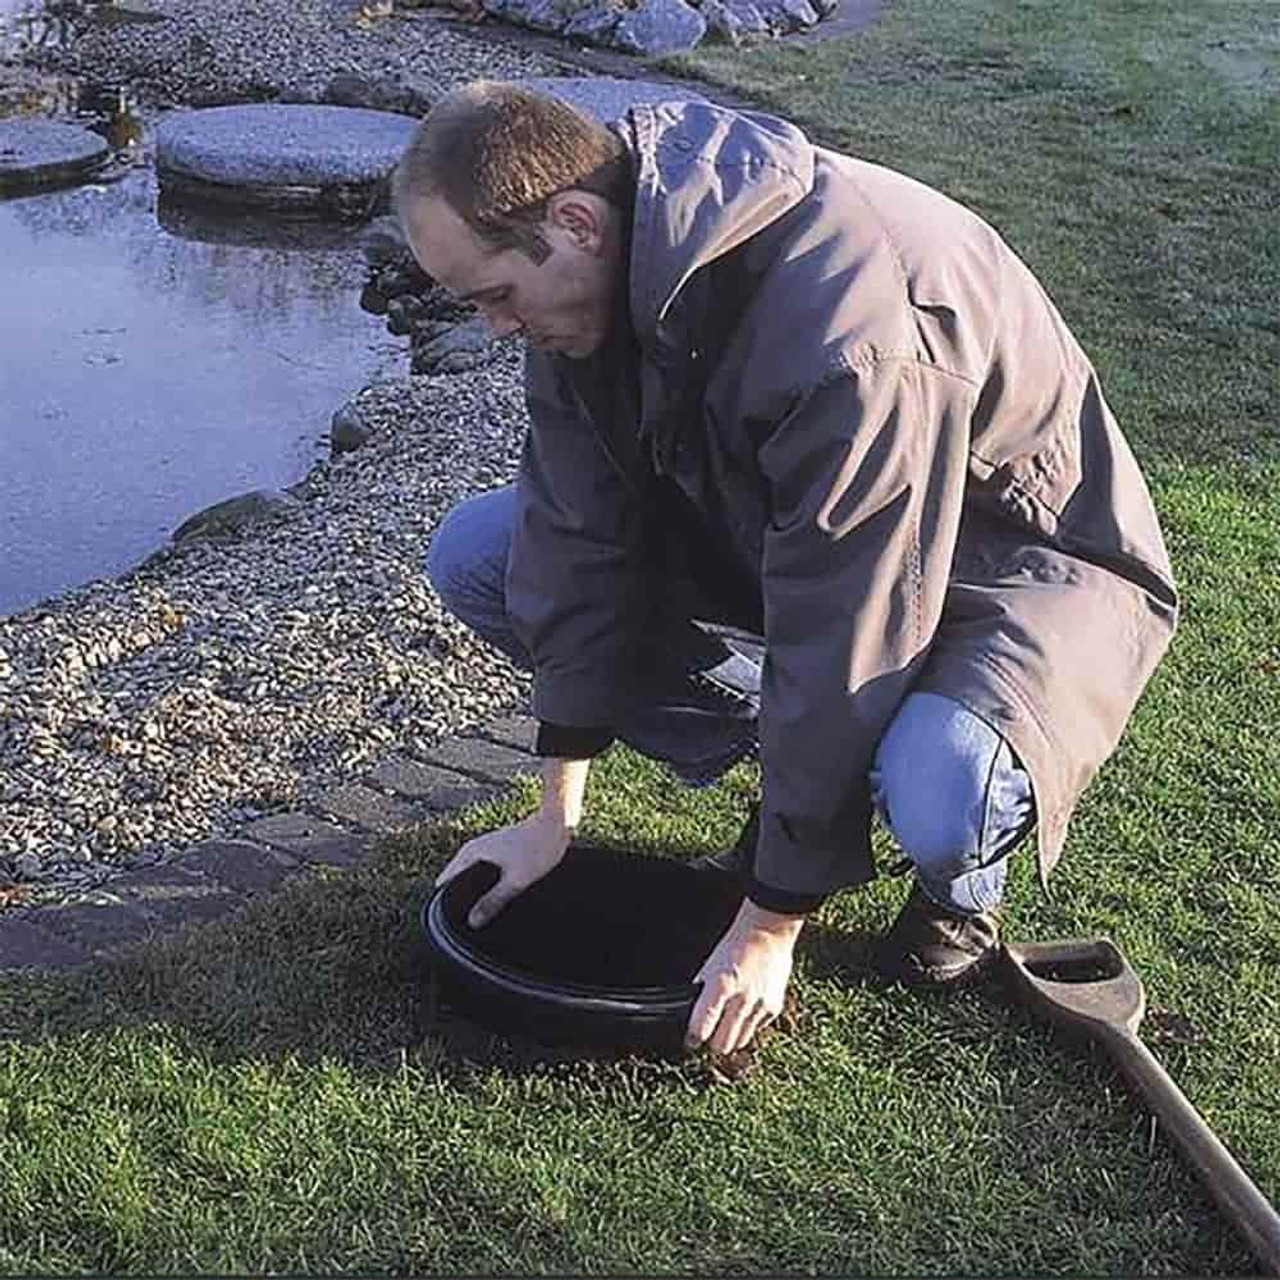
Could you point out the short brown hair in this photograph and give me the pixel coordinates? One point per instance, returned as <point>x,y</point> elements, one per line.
<point>497,153</point>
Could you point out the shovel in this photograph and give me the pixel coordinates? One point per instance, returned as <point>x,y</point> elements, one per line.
<point>1088,986</point>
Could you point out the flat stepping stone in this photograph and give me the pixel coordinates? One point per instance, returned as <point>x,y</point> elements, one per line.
<point>285,156</point>
<point>44,153</point>
<point>609,98</point>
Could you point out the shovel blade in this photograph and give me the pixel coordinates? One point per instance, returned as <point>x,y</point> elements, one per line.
<point>1081,984</point>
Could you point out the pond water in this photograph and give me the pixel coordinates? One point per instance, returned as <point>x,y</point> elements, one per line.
<point>153,359</point>
<point>153,362</point>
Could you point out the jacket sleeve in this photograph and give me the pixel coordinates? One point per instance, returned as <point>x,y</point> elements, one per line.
<point>576,588</point>
<point>866,475</point>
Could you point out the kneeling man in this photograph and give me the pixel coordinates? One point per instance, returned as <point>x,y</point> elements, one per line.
<point>780,392</point>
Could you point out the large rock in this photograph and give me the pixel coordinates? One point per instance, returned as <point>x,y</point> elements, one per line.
<point>791,15</point>
<point>283,155</point>
<point>458,348</point>
<point>722,22</point>
<point>747,14</point>
<point>539,15</point>
<point>42,153</point>
<point>594,23</point>
<point>234,515</point>
<point>651,28</point>
<point>349,429</point>
<point>659,27</point>
<point>406,95</point>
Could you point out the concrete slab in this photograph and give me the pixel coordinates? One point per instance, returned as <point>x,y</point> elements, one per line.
<point>486,760</point>
<point>24,944</point>
<point>289,154</point>
<point>175,895</point>
<point>363,807</point>
<point>104,923</point>
<point>310,839</point>
<point>519,732</point>
<point>439,789</point>
<point>42,153</point>
<point>243,867</point>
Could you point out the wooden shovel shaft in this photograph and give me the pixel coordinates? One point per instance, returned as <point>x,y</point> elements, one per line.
<point>1222,1176</point>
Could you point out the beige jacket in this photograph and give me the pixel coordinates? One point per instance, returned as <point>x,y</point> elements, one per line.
<point>857,380</point>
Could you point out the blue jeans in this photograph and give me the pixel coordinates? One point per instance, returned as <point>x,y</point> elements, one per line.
<point>945,783</point>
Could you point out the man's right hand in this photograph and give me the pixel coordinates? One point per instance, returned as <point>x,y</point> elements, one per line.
<point>523,854</point>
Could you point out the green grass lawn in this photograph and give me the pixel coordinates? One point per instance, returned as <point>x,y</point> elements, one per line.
<point>251,1097</point>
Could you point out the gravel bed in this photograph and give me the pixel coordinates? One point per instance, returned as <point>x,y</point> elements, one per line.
<point>238,675</point>
<point>213,51</point>
<point>234,676</point>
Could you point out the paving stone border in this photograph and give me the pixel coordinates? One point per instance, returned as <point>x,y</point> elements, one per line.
<point>216,877</point>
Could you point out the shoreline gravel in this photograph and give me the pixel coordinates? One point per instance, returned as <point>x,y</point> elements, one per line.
<point>234,676</point>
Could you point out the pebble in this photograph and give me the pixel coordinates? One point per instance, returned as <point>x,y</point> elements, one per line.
<point>28,865</point>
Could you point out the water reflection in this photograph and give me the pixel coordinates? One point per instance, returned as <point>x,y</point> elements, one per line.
<point>147,373</point>
<point>266,272</point>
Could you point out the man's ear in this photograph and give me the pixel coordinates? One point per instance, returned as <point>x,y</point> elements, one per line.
<point>582,216</point>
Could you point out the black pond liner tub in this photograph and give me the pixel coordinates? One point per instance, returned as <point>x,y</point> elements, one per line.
<point>601,952</point>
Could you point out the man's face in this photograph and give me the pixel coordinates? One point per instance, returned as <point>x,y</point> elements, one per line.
<point>563,303</point>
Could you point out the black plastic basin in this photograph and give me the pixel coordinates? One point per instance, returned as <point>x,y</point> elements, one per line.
<point>602,951</point>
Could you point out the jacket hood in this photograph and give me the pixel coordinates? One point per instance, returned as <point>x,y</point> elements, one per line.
<point>707,179</point>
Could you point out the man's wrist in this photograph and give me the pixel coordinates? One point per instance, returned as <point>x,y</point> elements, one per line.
<point>776,923</point>
<point>564,785</point>
<point>555,821</point>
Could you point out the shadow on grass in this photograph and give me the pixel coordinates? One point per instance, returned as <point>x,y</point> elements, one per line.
<point>331,968</point>
<point>335,968</point>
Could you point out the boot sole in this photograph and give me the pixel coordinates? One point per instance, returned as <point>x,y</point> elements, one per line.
<point>934,978</point>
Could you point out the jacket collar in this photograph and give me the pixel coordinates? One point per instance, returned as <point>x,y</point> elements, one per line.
<point>707,179</point>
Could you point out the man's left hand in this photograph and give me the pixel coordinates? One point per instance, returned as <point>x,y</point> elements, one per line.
<point>744,979</point>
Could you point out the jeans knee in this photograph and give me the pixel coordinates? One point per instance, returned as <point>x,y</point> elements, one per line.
<point>949,788</point>
<point>444,560</point>
<point>467,559</point>
<point>942,842</point>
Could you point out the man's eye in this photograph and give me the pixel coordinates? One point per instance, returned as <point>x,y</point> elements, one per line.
<point>497,295</point>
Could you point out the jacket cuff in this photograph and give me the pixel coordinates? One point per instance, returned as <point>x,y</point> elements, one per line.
<point>580,699</point>
<point>571,742</point>
<point>783,900</point>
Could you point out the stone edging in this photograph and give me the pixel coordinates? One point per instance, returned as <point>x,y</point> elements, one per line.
<point>341,829</point>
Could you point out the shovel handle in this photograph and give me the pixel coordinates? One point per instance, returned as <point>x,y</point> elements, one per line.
<point>1233,1189</point>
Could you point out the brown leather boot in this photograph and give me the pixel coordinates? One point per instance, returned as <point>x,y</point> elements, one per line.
<point>932,945</point>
